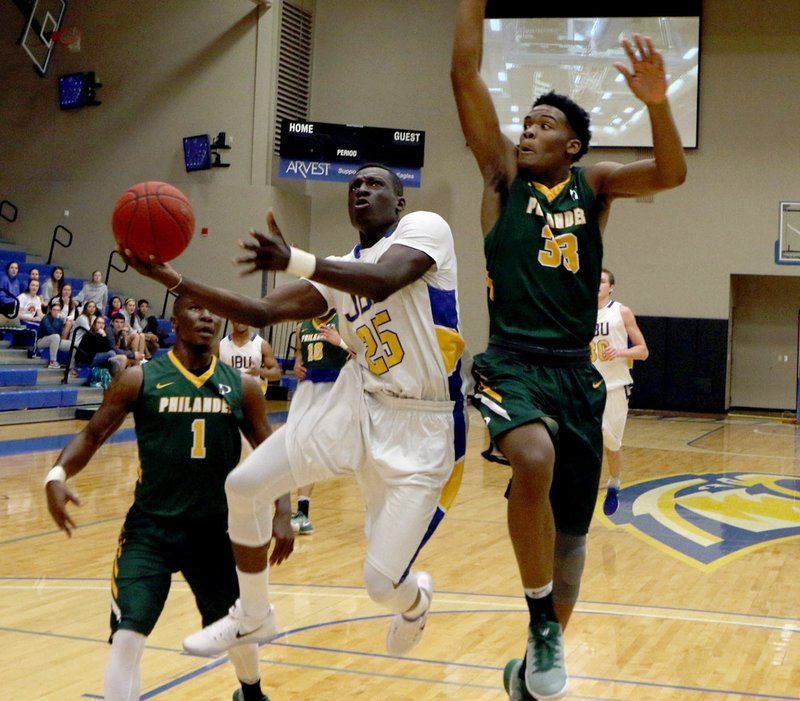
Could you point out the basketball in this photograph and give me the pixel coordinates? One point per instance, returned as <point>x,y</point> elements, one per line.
<point>154,221</point>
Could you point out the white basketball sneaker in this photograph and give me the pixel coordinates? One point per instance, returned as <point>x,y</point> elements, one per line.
<point>233,629</point>
<point>404,634</point>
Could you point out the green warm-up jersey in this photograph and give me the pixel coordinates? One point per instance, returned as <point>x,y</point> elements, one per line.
<point>317,353</point>
<point>543,262</point>
<point>187,428</point>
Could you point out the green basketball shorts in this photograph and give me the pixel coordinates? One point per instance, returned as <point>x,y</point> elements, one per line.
<point>513,389</point>
<point>151,549</point>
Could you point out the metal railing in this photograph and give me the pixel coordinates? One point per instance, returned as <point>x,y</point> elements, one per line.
<point>5,205</point>
<point>55,240</point>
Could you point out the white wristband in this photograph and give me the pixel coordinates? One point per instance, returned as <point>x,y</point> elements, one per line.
<point>301,263</point>
<point>57,474</point>
<point>343,345</point>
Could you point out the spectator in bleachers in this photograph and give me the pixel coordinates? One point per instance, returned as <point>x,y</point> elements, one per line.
<point>33,274</point>
<point>125,336</point>
<point>9,286</point>
<point>114,306</point>
<point>69,305</point>
<point>53,285</point>
<point>128,310</point>
<point>30,303</point>
<point>95,291</point>
<point>132,337</point>
<point>9,291</point>
<point>84,321</point>
<point>146,325</point>
<point>53,334</point>
<point>96,348</point>
<point>122,341</point>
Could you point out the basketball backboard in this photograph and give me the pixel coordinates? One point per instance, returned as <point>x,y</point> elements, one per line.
<point>37,37</point>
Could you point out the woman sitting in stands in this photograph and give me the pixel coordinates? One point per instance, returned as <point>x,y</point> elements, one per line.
<point>97,350</point>
<point>9,290</point>
<point>114,307</point>
<point>53,286</point>
<point>84,320</point>
<point>30,303</point>
<point>69,305</point>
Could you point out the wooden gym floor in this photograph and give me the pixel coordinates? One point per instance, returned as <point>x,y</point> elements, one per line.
<point>691,591</point>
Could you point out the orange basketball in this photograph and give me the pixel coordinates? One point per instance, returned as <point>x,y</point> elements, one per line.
<point>154,221</point>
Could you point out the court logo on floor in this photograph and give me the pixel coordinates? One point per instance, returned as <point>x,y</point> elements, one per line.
<point>709,519</point>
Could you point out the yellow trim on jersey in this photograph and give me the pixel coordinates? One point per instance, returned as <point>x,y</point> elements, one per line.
<point>489,392</point>
<point>453,484</point>
<point>551,193</point>
<point>451,346</point>
<point>197,380</point>
<point>323,320</point>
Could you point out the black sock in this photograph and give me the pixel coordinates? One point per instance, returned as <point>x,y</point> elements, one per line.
<point>303,505</point>
<point>541,608</point>
<point>252,692</point>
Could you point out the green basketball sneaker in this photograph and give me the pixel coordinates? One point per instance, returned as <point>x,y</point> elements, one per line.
<point>545,668</point>
<point>301,524</point>
<point>513,684</point>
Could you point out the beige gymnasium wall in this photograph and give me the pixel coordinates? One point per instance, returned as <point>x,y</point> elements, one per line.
<point>190,66</point>
<point>169,70</point>
<point>673,256</point>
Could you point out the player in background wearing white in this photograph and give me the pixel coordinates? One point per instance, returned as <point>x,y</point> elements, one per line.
<point>395,417</point>
<point>321,352</point>
<point>250,354</point>
<point>617,342</point>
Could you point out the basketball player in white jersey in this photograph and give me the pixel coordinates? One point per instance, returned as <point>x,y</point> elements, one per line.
<point>395,417</point>
<point>250,354</point>
<point>617,342</point>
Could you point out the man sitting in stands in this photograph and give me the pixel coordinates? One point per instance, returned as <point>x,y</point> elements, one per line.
<point>147,325</point>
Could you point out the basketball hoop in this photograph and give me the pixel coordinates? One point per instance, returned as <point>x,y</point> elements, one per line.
<point>69,36</point>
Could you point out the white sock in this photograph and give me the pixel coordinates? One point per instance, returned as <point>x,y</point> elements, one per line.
<point>254,593</point>
<point>244,659</point>
<point>614,482</point>
<point>539,592</point>
<point>122,673</point>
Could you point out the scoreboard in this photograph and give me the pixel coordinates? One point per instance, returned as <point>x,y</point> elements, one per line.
<point>325,151</point>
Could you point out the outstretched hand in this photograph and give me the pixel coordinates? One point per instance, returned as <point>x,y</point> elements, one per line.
<point>267,252</point>
<point>160,272</point>
<point>58,496</point>
<point>647,80</point>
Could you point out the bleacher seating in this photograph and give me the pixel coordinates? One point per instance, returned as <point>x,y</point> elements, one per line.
<point>18,377</point>
<point>30,391</point>
<point>43,398</point>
